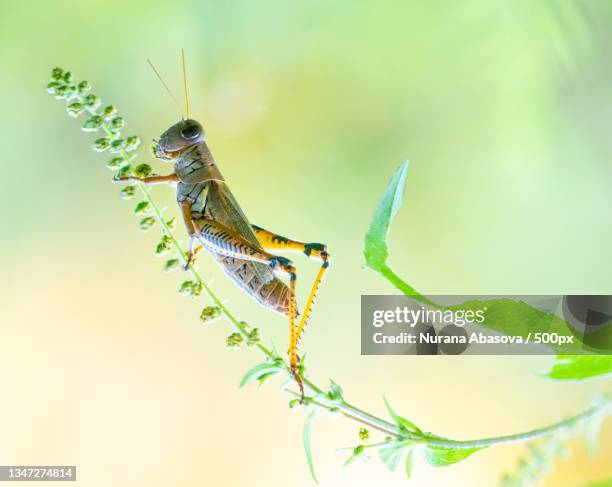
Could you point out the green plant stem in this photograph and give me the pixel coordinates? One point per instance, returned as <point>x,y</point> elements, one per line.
<point>402,286</point>
<point>352,412</point>
<point>319,396</point>
<point>397,281</point>
<point>356,414</point>
<point>564,425</point>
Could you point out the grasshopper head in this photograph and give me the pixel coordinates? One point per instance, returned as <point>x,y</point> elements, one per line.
<point>178,138</point>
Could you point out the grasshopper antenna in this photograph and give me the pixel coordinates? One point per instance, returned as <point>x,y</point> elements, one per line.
<point>166,87</point>
<point>185,82</point>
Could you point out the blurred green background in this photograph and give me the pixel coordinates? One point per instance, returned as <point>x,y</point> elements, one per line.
<point>504,109</point>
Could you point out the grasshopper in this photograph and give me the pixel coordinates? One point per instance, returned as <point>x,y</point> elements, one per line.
<point>215,222</point>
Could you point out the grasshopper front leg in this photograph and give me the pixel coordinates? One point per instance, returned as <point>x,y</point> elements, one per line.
<point>170,178</point>
<point>192,231</point>
<point>185,207</point>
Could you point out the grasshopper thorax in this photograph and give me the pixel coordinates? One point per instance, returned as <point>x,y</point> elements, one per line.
<point>178,138</point>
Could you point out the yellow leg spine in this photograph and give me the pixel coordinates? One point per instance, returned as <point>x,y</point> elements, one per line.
<point>293,358</point>
<point>312,296</point>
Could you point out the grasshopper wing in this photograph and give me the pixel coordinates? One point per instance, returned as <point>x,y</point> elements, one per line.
<point>222,207</point>
<point>254,277</point>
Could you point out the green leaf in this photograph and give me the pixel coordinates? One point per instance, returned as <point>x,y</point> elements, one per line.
<point>402,423</point>
<point>101,144</point>
<point>335,391</point>
<point>591,432</point>
<point>260,373</point>
<point>75,109</point>
<point>92,101</point>
<point>123,171</point>
<point>142,170</point>
<point>442,457</point>
<point>409,462</point>
<point>307,447</point>
<point>142,208</point>
<point>392,455</point>
<point>171,223</point>
<point>376,251</point>
<point>109,112</point>
<point>132,143</point>
<point>504,315</point>
<point>210,314</point>
<point>57,73</point>
<point>171,265</point>
<point>358,452</point>
<point>580,367</point>
<point>186,287</point>
<point>93,123</point>
<point>127,192</point>
<point>265,376</point>
<point>84,87</point>
<point>146,223</point>
<point>517,318</point>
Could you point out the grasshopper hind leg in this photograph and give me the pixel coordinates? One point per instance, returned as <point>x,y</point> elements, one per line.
<point>223,242</point>
<point>316,251</point>
<point>273,294</point>
<point>286,265</point>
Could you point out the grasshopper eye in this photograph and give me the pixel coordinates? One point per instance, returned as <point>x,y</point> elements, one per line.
<point>190,132</point>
